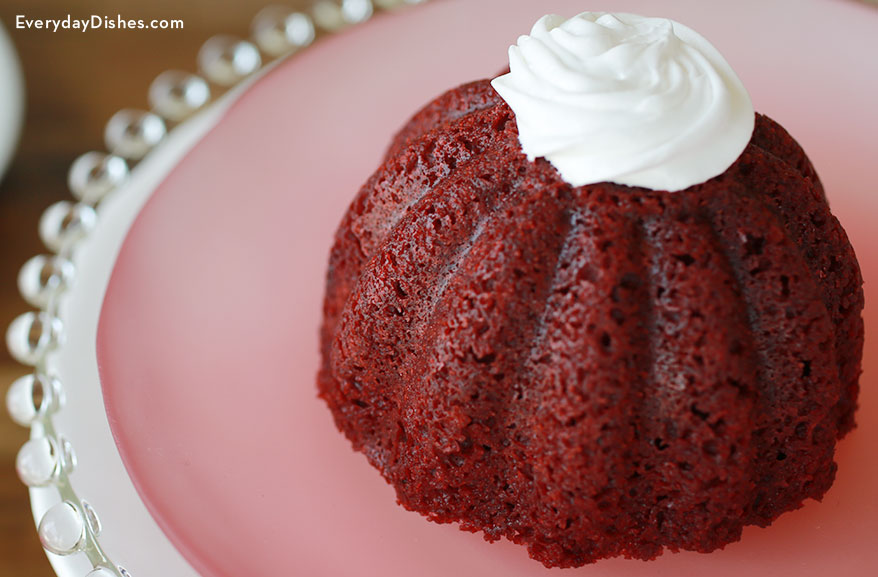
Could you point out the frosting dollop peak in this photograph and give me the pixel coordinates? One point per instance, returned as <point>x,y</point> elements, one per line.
<point>628,99</point>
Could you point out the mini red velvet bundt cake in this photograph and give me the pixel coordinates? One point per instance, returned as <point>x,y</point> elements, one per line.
<point>594,370</point>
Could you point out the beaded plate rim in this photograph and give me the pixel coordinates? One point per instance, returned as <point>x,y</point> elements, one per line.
<point>71,525</point>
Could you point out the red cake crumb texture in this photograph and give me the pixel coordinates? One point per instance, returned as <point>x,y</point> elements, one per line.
<point>592,371</point>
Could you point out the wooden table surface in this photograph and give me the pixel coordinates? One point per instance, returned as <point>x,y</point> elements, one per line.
<point>75,82</point>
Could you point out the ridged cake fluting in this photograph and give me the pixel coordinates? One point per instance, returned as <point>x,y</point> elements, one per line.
<point>590,371</point>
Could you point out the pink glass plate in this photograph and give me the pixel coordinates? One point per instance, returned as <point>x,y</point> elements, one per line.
<point>207,341</point>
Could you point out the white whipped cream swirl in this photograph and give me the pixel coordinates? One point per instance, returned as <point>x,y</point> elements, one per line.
<point>627,99</point>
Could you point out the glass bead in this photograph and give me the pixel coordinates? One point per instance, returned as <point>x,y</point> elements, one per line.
<point>68,455</point>
<point>37,463</point>
<point>176,95</point>
<point>33,335</point>
<point>225,60</point>
<point>31,397</point>
<point>62,529</point>
<point>328,15</point>
<point>133,133</point>
<point>356,11</point>
<point>94,175</point>
<point>279,30</point>
<point>43,277</point>
<point>91,518</point>
<point>64,223</point>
